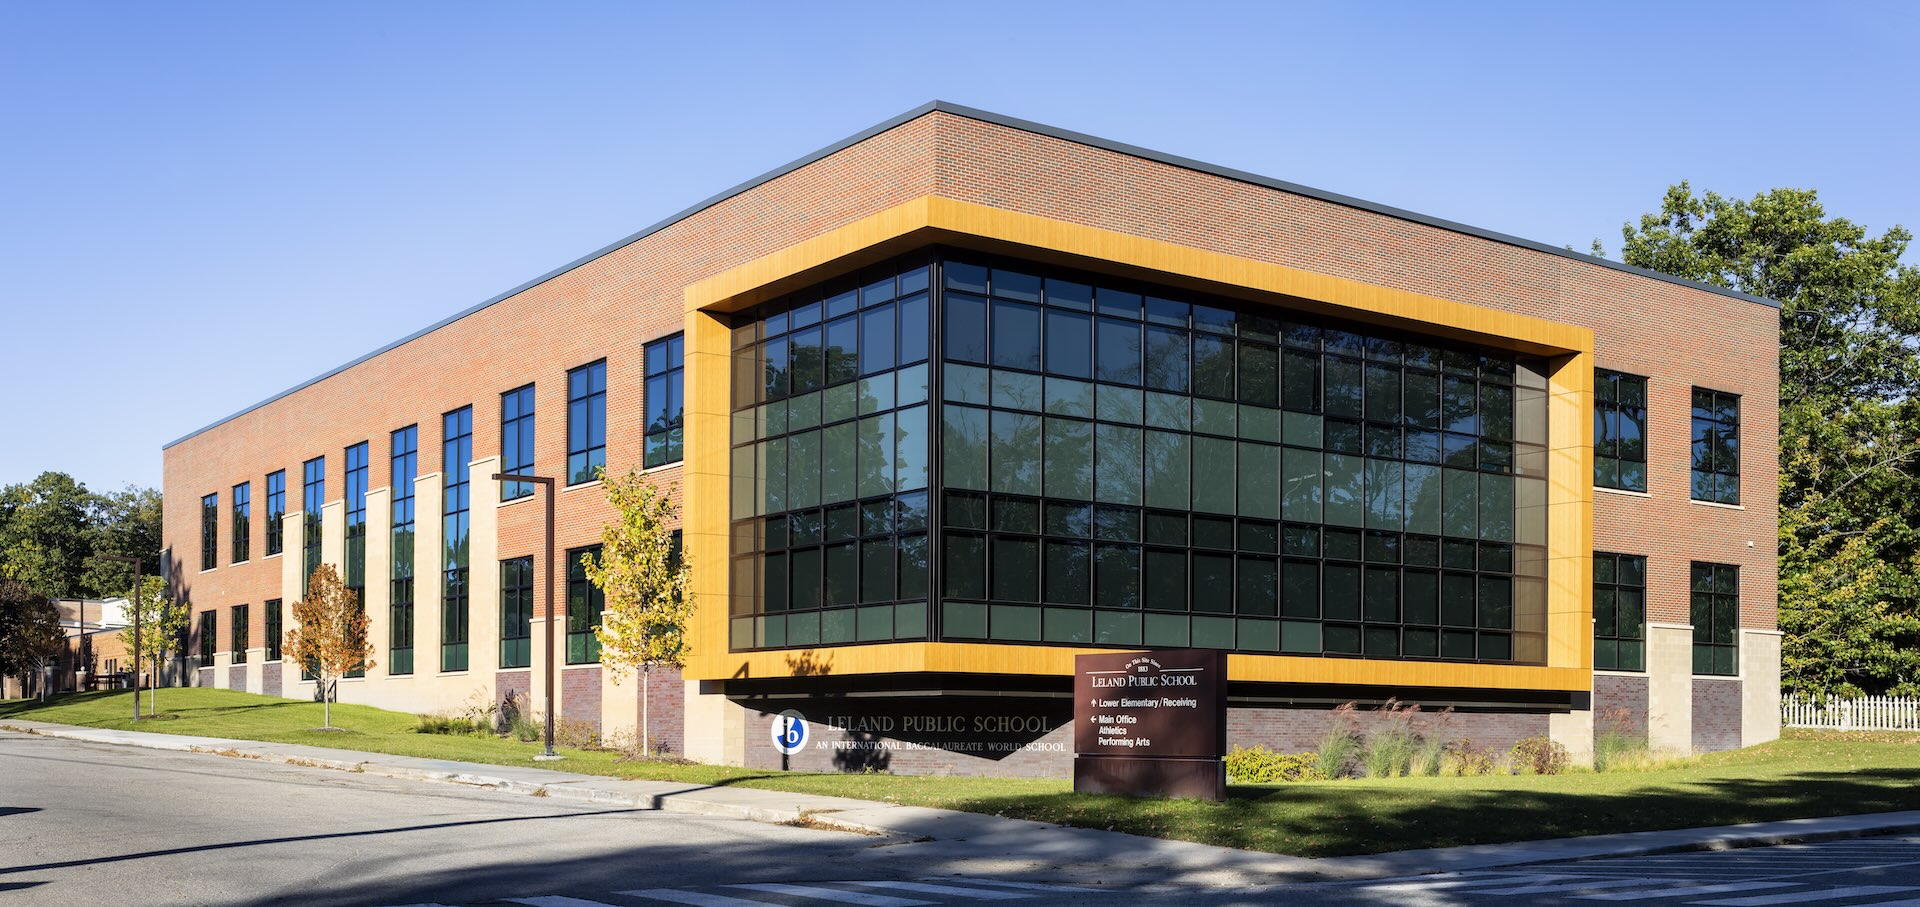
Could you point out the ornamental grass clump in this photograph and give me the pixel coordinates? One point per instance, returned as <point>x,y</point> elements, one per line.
<point>1617,744</point>
<point>1393,742</point>
<point>1340,748</point>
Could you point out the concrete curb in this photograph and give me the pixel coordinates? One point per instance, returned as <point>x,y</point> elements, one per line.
<point>996,839</point>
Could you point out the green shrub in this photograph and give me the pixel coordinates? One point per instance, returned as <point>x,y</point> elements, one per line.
<point>1462,758</point>
<point>1339,749</point>
<point>1259,765</point>
<point>447,724</point>
<point>1538,756</point>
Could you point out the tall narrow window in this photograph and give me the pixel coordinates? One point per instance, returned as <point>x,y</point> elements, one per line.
<point>584,604</point>
<point>276,511</point>
<point>586,422</point>
<point>406,468</point>
<point>240,634</point>
<point>456,453</point>
<point>273,629</point>
<point>356,560</point>
<point>1716,446</point>
<point>210,531</point>
<point>1715,601</point>
<point>209,624</point>
<point>516,612</point>
<point>666,400</point>
<point>1619,431</point>
<point>314,482</point>
<point>1619,612</point>
<point>516,440</point>
<point>242,521</point>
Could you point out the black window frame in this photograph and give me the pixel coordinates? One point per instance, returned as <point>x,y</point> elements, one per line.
<point>516,612</point>
<point>313,498</point>
<point>586,422</point>
<point>238,630</point>
<point>517,440</point>
<point>585,604</point>
<point>209,531</point>
<point>456,597</point>
<point>276,482</point>
<point>665,442</point>
<point>403,471</point>
<point>242,519</point>
<point>1617,580</point>
<point>1713,598</point>
<point>1714,461</point>
<point>272,607</point>
<point>1619,462</point>
<point>208,638</point>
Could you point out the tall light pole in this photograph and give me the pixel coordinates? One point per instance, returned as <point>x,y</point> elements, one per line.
<point>547,556</point>
<point>134,602</point>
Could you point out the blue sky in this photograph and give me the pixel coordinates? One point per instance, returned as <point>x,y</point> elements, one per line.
<point>202,204</point>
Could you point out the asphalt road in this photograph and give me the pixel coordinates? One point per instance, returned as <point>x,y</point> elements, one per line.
<point>86,824</point>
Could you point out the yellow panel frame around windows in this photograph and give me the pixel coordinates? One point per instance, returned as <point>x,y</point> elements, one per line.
<point>928,220</point>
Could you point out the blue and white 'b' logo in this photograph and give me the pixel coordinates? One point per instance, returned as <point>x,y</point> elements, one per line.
<point>789,732</point>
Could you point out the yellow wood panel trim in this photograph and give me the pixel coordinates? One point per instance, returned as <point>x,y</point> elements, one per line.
<point>931,218</point>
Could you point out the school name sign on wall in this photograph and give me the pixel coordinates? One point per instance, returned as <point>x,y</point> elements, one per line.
<point>1151,724</point>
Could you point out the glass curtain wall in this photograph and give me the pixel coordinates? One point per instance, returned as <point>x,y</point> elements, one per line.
<point>1128,465</point>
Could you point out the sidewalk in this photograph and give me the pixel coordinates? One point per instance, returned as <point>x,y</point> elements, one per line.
<point>989,843</point>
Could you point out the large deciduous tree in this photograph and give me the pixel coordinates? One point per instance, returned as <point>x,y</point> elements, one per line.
<point>645,578</point>
<point>1850,420</point>
<point>53,531</point>
<point>331,639</point>
<point>29,629</point>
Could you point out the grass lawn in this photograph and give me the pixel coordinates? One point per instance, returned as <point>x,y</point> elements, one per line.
<point>1803,775</point>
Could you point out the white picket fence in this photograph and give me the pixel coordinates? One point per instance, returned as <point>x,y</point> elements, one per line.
<point>1868,713</point>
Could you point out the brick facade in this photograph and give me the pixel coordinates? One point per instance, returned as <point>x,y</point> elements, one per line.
<point>270,678</point>
<point>1716,714</point>
<point>1679,336</point>
<point>1621,699</point>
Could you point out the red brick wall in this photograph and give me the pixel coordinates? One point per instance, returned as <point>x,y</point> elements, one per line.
<point>666,709</point>
<point>1716,715</point>
<point>580,695</point>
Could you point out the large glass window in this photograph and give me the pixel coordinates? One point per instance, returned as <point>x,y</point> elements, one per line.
<point>516,612</point>
<point>242,521</point>
<point>666,390</point>
<point>1128,465</point>
<point>1619,431</point>
<point>276,511</point>
<point>405,447</point>
<point>1716,446</point>
<point>209,624</point>
<point>584,604</point>
<point>586,422</point>
<point>516,441</point>
<point>272,607</point>
<point>832,458</point>
<point>456,455</point>
<point>356,539</point>
<point>1715,605</point>
<point>1619,612</point>
<point>239,634</point>
<point>210,531</point>
<point>314,493</point>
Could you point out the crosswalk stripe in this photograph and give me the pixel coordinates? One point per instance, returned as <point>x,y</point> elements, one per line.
<point>1563,886</point>
<point>977,894</point>
<point>832,894</point>
<point>557,901</point>
<point>1684,892</point>
<point>1515,878</point>
<point>1802,897</point>
<point>1027,886</point>
<point>691,898</point>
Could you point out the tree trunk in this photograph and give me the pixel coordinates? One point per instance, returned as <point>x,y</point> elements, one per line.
<point>646,737</point>
<point>326,703</point>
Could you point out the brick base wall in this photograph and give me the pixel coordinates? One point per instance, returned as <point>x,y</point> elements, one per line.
<point>666,709</point>
<point>237,677</point>
<point>1300,730</point>
<point>1622,700</point>
<point>580,696</point>
<point>203,677</point>
<point>270,678</point>
<point>1716,715</point>
<point>517,686</point>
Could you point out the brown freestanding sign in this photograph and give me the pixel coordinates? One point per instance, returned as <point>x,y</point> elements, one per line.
<point>1151,724</point>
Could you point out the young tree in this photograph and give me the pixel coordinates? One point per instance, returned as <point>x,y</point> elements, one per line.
<point>1849,420</point>
<point>163,624</point>
<point>29,629</point>
<point>644,577</point>
<point>331,639</point>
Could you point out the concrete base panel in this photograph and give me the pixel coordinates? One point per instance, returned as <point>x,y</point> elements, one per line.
<point>1760,693</point>
<point>1670,688</point>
